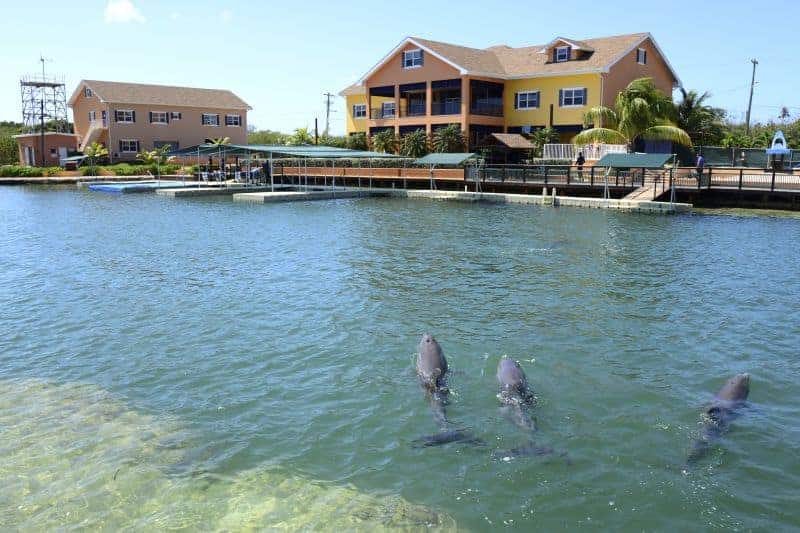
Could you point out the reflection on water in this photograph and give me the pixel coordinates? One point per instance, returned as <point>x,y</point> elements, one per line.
<point>72,454</point>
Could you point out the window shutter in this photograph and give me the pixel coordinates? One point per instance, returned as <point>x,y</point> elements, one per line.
<point>644,56</point>
<point>133,115</point>
<point>116,116</point>
<point>555,55</point>
<point>560,97</point>
<point>422,57</point>
<point>585,96</point>
<point>168,115</point>
<point>218,123</point>
<point>120,146</point>
<point>516,100</point>
<point>137,146</point>
<point>150,116</point>
<point>240,120</point>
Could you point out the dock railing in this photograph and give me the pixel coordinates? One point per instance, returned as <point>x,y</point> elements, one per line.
<point>591,152</point>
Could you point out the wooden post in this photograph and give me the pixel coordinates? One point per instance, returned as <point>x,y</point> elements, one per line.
<point>569,168</point>
<point>591,176</point>
<point>709,178</point>
<point>772,187</point>
<point>545,174</point>
<point>617,179</point>
<point>741,171</point>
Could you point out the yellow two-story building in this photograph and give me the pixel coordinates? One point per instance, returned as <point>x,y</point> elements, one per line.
<point>423,84</point>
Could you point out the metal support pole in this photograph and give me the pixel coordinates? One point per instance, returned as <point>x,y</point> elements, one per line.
<point>271,174</point>
<point>772,187</point>
<point>741,175</point>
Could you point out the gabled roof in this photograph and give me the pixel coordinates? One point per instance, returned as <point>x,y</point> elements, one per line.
<point>140,93</point>
<point>505,62</point>
<point>354,89</point>
<point>575,45</point>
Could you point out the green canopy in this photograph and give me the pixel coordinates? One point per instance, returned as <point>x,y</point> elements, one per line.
<point>444,159</point>
<point>304,151</point>
<point>634,160</point>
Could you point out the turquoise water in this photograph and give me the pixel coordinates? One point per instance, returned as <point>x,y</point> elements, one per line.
<point>205,364</point>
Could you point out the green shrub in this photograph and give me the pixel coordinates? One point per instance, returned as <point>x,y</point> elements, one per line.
<point>52,171</point>
<point>16,171</point>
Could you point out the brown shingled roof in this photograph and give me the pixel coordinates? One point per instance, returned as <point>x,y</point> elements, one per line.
<point>505,62</point>
<point>140,93</point>
<point>513,140</point>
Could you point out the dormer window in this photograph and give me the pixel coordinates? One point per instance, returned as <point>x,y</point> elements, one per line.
<point>641,56</point>
<point>412,58</point>
<point>562,54</point>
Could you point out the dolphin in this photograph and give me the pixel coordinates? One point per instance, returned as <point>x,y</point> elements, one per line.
<point>516,399</point>
<point>717,418</point>
<point>432,374</point>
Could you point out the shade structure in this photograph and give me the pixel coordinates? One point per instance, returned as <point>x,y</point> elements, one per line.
<point>634,160</point>
<point>304,151</point>
<point>444,159</point>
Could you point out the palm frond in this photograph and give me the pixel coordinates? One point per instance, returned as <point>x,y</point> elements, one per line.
<point>600,116</point>
<point>667,132</point>
<point>599,135</point>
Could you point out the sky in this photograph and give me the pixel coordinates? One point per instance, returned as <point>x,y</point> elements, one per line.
<point>282,57</point>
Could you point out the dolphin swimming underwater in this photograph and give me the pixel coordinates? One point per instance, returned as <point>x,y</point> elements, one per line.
<point>718,417</point>
<point>432,374</point>
<point>517,399</point>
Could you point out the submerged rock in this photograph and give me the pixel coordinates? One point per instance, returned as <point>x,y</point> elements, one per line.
<point>72,455</point>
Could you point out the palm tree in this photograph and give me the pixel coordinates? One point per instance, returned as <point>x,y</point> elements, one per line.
<point>357,141</point>
<point>385,141</point>
<point>641,112</point>
<point>94,152</point>
<point>156,158</point>
<point>702,122</point>
<point>299,137</point>
<point>449,139</point>
<point>414,144</point>
<point>541,137</point>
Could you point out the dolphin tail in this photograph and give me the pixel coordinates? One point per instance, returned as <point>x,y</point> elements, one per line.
<point>529,449</point>
<point>446,437</point>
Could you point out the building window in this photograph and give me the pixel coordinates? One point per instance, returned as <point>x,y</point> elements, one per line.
<point>527,100</point>
<point>128,146</point>
<point>641,56</point>
<point>92,116</point>
<point>175,115</point>
<point>387,110</point>
<point>412,59</point>
<point>575,97</point>
<point>210,119</point>
<point>562,54</point>
<point>125,115</point>
<point>158,117</point>
<point>87,92</point>
<point>233,120</point>
<point>360,111</point>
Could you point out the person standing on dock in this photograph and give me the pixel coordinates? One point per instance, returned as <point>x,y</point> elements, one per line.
<point>701,163</point>
<point>579,162</point>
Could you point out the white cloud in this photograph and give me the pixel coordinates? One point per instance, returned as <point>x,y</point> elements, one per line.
<point>174,15</point>
<point>226,15</point>
<point>122,11</point>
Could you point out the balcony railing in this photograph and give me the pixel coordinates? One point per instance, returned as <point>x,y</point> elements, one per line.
<point>490,110</point>
<point>450,107</point>
<point>381,113</point>
<point>413,110</point>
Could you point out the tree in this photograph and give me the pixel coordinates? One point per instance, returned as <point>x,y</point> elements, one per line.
<point>94,152</point>
<point>329,140</point>
<point>9,150</point>
<point>357,141</point>
<point>414,144</point>
<point>299,137</point>
<point>385,141</point>
<point>449,139</point>
<point>267,137</point>
<point>157,157</point>
<point>541,137</point>
<point>702,122</point>
<point>641,112</point>
<point>784,114</point>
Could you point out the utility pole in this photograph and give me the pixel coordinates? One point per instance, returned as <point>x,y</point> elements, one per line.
<point>328,97</point>
<point>316,131</point>
<point>750,103</point>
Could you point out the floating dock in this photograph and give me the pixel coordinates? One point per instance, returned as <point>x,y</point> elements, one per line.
<point>133,186</point>
<point>189,191</point>
<point>311,195</point>
<point>639,206</point>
